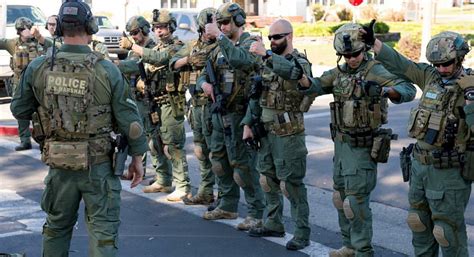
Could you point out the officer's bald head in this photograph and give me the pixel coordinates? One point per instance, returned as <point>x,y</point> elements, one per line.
<point>281,26</point>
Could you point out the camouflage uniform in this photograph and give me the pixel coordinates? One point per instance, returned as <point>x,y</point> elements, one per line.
<point>281,159</point>
<point>232,161</point>
<point>130,69</point>
<point>22,54</point>
<point>169,94</point>
<point>439,184</point>
<point>75,101</point>
<point>199,117</point>
<point>356,120</point>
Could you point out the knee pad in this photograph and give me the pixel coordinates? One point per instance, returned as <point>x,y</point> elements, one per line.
<point>284,189</point>
<point>348,207</point>
<point>199,152</point>
<point>337,200</point>
<point>268,184</point>
<point>414,222</point>
<point>217,169</point>
<point>238,179</point>
<point>441,234</point>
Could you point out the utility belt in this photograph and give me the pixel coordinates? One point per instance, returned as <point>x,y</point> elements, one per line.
<point>440,159</point>
<point>76,155</point>
<point>200,100</point>
<point>355,139</point>
<point>285,124</point>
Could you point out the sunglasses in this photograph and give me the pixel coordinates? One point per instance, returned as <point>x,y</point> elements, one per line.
<point>51,24</point>
<point>444,64</point>
<point>224,22</point>
<point>134,32</point>
<point>354,55</point>
<point>278,36</point>
<point>159,26</point>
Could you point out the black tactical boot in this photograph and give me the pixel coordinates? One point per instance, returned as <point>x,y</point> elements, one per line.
<point>23,146</point>
<point>297,244</point>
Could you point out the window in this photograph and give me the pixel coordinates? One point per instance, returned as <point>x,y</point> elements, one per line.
<point>164,4</point>
<point>30,12</point>
<point>184,3</point>
<point>193,3</point>
<point>174,3</point>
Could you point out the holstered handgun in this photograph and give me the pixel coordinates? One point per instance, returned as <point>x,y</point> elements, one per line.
<point>120,154</point>
<point>405,161</point>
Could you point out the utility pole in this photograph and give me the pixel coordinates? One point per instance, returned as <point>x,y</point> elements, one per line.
<point>427,22</point>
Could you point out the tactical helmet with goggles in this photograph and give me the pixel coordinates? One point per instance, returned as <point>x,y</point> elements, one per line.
<point>23,23</point>
<point>136,23</point>
<point>164,18</point>
<point>205,16</point>
<point>347,39</point>
<point>446,47</point>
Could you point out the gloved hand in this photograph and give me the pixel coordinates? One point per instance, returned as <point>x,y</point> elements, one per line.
<point>297,72</point>
<point>369,37</point>
<point>125,43</point>
<point>372,88</point>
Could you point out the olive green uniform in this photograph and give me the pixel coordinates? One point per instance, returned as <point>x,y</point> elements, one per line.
<point>281,159</point>
<point>170,135</point>
<point>438,193</point>
<point>233,162</point>
<point>200,116</point>
<point>19,61</point>
<point>356,119</point>
<point>130,69</point>
<point>76,109</point>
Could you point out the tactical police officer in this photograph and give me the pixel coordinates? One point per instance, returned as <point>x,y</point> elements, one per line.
<point>191,59</point>
<point>360,88</point>
<point>167,109</point>
<point>230,68</point>
<point>138,28</point>
<point>23,50</point>
<point>281,159</point>
<point>442,169</point>
<point>73,97</point>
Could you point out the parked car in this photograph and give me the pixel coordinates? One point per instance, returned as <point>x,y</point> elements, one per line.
<point>187,29</point>
<point>110,35</point>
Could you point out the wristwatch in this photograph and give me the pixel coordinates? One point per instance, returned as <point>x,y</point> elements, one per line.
<point>268,54</point>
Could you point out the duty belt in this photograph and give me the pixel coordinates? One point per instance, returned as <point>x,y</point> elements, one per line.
<point>440,159</point>
<point>365,139</point>
<point>200,101</point>
<point>285,124</point>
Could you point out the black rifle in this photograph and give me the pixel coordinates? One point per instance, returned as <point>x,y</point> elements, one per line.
<point>219,105</point>
<point>149,96</point>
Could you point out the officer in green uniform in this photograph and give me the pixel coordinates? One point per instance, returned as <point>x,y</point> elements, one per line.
<point>23,50</point>
<point>442,168</point>
<point>73,96</point>
<point>191,59</point>
<point>138,28</point>
<point>167,110</point>
<point>281,159</point>
<point>232,162</point>
<point>360,88</point>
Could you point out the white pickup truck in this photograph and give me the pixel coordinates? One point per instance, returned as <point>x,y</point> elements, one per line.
<point>8,14</point>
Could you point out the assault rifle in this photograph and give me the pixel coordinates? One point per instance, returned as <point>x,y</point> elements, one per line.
<point>149,95</point>
<point>219,105</point>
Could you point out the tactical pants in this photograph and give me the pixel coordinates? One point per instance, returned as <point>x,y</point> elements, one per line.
<point>234,165</point>
<point>438,200</point>
<point>100,190</point>
<point>143,109</point>
<point>171,162</point>
<point>355,176</point>
<point>23,125</point>
<point>281,162</point>
<point>202,128</point>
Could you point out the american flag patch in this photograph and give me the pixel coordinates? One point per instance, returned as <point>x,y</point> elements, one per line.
<point>70,10</point>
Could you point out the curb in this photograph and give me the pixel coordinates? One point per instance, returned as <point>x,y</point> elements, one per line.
<point>8,131</point>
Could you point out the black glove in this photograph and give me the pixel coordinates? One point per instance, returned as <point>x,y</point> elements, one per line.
<point>369,37</point>
<point>298,71</point>
<point>372,88</point>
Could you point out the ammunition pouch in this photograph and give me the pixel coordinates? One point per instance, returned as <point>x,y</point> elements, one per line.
<point>285,124</point>
<point>358,139</point>
<point>177,101</point>
<point>199,101</point>
<point>468,164</point>
<point>381,145</point>
<point>440,159</point>
<point>405,161</point>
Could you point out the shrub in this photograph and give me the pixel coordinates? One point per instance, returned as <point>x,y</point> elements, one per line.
<point>410,46</point>
<point>318,11</point>
<point>393,15</point>
<point>345,14</point>
<point>369,12</point>
<point>380,27</point>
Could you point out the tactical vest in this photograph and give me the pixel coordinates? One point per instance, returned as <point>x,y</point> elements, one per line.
<point>76,128</point>
<point>167,86</point>
<point>25,52</point>
<point>439,118</point>
<point>284,96</point>
<point>352,111</point>
<point>199,54</point>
